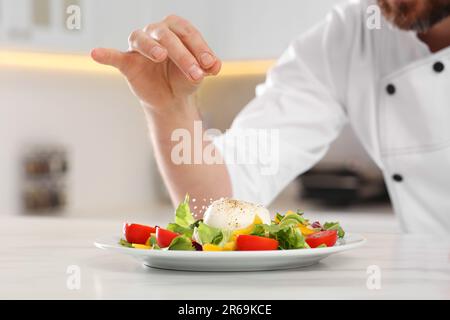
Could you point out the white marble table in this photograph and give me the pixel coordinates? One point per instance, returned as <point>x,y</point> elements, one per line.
<point>36,252</point>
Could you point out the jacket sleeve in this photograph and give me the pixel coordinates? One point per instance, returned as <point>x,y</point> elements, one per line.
<point>295,116</point>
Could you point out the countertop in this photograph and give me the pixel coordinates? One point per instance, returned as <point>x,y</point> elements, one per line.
<point>38,255</point>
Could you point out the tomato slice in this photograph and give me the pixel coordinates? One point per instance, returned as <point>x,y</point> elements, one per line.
<point>328,237</point>
<point>137,233</point>
<point>246,242</point>
<point>164,237</point>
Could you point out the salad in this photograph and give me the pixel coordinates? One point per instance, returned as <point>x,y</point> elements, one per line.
<point>289,231</point>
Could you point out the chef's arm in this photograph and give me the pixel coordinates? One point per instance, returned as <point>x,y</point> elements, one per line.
<point>165,64</point>
<point>202,181</point>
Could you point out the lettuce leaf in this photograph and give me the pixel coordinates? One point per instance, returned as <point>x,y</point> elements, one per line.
<point>298,217</point>
<point>154,243</point>
<point>279,217</point>
<point>260,230</point>
<point>181,243</point>
<point>334,226</point>
<point>184,220</point>
<point>226,234</point>
<point>174,227</point>
<point>206,234</point>
<point>125,243</point>
<point>290,238</point>
<point>275,228</point>
<point>286,232</point>
<point>183,215</point>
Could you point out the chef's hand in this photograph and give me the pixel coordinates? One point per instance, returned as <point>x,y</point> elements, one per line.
<point>165,63</point>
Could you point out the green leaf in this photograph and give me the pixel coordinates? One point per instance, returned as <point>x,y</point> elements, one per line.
<point>174,227</point>
<point>259,230</point>
<point>196,223</point>
<point>334,226</point>
<point>125,243</point>
<point>286,232</point>
<point>279,216</point>
<point>264,230</point>
<point>207,234</point>
<point>285,223</point>
<point>226,234</point>
<point>153,241</point>
<point>296,217</point>
<point>181,243</point>
<point>290,238</point>
<point>183,215</point>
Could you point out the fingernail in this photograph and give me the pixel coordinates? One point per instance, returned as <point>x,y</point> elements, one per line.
<point>157,52</point>
<point>96,53</point>
<point>207,59</point>
<point>195,72</point>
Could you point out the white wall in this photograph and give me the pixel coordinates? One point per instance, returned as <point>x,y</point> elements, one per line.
<point>235,29</point>
<point>100,123</point>
<point>95,116</point>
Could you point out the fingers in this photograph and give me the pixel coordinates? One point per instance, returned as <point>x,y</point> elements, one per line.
<point>109,57</point>
<point>215,69</point>
<point>193,41</point>
<point>177,52</point>
<point>140,41</point>
<point>174,38</point>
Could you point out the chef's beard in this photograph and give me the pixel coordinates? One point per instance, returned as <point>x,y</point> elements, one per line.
<point>417,15</point>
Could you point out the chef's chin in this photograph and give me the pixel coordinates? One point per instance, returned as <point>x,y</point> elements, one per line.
<point>417,15</point>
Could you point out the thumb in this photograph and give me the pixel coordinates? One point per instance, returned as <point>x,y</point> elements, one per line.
<point>110,57</point>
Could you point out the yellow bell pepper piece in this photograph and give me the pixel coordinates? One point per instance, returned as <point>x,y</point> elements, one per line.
<point>140,246</point>
<point>305,230</point>
<point>229,246</point>
<point>246,230</point>
<point>257,220</point>
<point>211,247</point>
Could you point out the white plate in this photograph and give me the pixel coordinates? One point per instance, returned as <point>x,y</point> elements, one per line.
<point>231,260</point>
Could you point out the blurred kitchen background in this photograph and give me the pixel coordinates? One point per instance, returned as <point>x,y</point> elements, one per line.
<point>73,138</point>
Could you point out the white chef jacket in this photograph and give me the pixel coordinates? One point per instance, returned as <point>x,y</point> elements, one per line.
<point>394,92</point>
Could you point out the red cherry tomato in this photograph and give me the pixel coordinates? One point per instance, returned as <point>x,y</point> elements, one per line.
<point>137,233</point>
<point>251,243</point>
<point>164,237</point>
<point>328,237</point>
